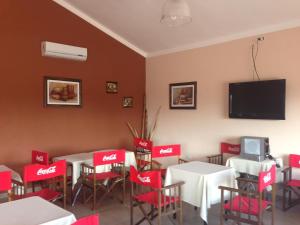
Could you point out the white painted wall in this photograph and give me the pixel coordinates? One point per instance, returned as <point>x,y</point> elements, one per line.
<point>200,131</point>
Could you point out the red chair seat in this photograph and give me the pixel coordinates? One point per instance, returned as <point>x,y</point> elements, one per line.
<point>46,194</point>
<point>152,198</point>
<point>294,183</point>
<point>246,203</point>
<point>104,176</point>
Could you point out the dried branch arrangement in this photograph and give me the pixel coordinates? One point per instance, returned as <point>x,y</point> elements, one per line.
<point>144,132</point>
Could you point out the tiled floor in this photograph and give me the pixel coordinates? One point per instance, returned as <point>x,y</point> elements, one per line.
<point>114,213</point>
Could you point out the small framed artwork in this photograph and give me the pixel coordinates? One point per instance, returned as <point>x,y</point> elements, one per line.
<point>62,92</point>
<point>127,102</point>
<point>183,95</point>
<point>111,87</point>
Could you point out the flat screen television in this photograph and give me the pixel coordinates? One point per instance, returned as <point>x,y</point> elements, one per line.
<point>257,100</point>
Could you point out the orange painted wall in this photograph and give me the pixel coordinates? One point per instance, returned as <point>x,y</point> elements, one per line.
<point>24,123</point>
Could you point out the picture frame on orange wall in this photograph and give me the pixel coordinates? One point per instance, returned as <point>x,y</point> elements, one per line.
<point>183,95</point>
<point>112,87</point>
<point>62,92</point>
<point>127,102</point>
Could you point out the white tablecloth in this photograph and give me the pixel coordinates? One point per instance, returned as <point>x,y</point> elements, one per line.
<point>201,183</point>
<point>34,211</point>
<point>253,167</point>
<point>77,159</point>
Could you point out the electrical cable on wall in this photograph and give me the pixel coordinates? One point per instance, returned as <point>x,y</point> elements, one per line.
<point>254,51</point>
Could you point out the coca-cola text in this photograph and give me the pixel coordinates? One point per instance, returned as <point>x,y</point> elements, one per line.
<point>166,151</point>
<point>110,157</point>
<point>144,179</point>
<point>51,169</point>
<point>267,178</point>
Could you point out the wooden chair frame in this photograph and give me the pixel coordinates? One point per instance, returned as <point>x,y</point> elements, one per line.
<point>237,215</point>
<point>287,201</point>
<point>219,158</point>
<point>172,191</point>
<point>107,185</point>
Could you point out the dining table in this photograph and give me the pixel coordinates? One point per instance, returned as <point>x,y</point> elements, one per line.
<point>201,183</point>
<point>77,159</point>
<point>87,157</point>
<point>253,168</point>
<point>34,211</point>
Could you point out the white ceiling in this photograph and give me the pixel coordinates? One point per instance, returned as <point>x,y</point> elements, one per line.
<point>136,23</point>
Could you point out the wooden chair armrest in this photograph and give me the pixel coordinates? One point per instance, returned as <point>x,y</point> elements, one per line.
<point>180,160</point>
<point>240,179</point>
<point>84,165</point>
<point>86,169</point>
<point>286,174</point>
<point>239,191</point>
<point>213,156</point>
<point>180,183</point>
<point>286,170</point>
<point>18,183</point>
<point>156,164</point>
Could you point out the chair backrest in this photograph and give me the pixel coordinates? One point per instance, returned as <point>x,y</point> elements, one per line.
<point>149,178</point>
<point>142,143</point>
<point>37,172</point>
<point>166,151</point>
<point>294,160</point>
<point>88,220</point>
<point>234,149</point>
<point>5,180</point>
<point>266,178</point>
<point>108,157</point>
<point>39,157</point>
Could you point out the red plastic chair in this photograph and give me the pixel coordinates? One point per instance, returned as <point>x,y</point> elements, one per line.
<point>54,174</point>
<point>146,188</point>
<point>39,157</point>
<point>248,206</point>
<point>105,181</point>
<point>88,220</point>
<point>291,185</point>
<point>5,183</point>
<point>225,148</point>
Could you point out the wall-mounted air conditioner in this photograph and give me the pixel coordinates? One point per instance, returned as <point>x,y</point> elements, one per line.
<point>57,50</point>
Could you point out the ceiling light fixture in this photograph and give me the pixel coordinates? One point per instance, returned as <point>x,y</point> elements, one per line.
<point>176,13</point>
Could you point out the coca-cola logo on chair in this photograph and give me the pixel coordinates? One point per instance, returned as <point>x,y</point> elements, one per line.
<point>233,149</point>
<point>143,143</point>
<point>50,170</point>
<point>267,178</point>
<point>110,157</point>
<point>144,179</point>
<point>39,158</point>
<point>166,151</point>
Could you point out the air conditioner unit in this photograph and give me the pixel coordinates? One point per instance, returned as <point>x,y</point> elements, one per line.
<point>57,50</point>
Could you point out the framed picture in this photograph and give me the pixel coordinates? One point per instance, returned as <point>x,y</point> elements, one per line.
<point>62,92</point>
<point>127,102</point>
<point>111,87</point>
<point>183,95</point>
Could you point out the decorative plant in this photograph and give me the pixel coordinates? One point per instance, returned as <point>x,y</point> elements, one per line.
<point>144,131</point>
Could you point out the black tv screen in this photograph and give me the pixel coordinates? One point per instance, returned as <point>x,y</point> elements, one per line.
<point>257,100</point>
